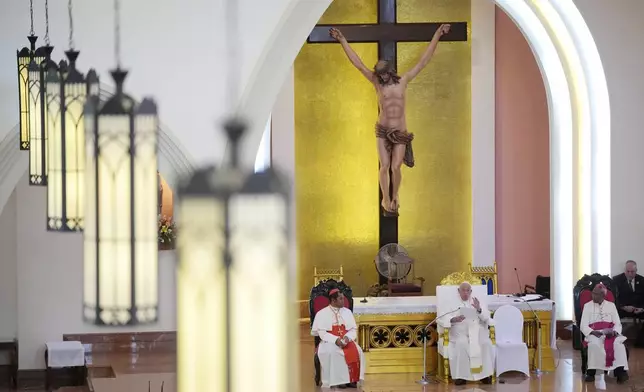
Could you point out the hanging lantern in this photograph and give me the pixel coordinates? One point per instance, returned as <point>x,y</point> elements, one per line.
<point>233,275</point>
<point>38,67</point>
<point>25,56</point>
<point>39,141</point>
<point>67,93</point>
<point>120,239</point>
<point>202,285</point>
<point>37,171</point>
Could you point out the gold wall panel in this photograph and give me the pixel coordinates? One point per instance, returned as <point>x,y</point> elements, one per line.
<point>336,164</point>
<point>422,11</point>
<point>435,223</point>
<point>336,160</point>
<point>351,12</point>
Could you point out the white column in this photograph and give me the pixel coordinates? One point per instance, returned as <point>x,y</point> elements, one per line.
<point>483,126</point>
<point>283,147</point>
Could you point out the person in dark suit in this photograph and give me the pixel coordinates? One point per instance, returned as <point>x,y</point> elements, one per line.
<point>630,296</point>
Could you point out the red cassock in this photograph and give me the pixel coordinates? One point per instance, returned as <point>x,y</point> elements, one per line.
<point>351,354</point>
<point>609,341</point>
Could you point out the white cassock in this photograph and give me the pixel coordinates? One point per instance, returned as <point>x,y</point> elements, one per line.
<point>470,350</point>
<point>606,312</point>
<point>333,364</point>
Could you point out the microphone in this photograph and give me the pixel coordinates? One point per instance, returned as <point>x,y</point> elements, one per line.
<point>363,300</point>
<point>441,316</point>
<point>423,380</point>
<point>520,293</point>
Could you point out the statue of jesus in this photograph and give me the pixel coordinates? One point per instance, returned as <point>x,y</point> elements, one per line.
<point>393,139</point>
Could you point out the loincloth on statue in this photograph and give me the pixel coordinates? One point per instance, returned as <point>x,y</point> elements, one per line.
<point>394,136</point>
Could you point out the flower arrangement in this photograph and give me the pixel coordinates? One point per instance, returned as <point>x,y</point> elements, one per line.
<point>378,290</point>
<point>167,232</point>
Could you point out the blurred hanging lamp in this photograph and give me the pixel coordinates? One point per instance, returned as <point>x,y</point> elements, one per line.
<point>25,57</point>
<point>120,237</point>
<point>67,92</point>
<point>233,273</point>
<point>38,136</point>
<point>37,172</point>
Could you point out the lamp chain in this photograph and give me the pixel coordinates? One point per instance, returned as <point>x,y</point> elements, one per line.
<point>71,24</point>
<point>232,40</point>
<point>47,22</point>
<point>117,33</point>
<point>31,13</point>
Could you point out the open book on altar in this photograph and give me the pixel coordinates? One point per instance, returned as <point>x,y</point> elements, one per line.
<point>470,313</point>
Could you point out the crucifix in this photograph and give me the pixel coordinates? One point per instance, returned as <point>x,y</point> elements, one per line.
<point>387,33</point>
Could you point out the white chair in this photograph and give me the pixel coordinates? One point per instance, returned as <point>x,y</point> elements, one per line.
<point>511,351</point>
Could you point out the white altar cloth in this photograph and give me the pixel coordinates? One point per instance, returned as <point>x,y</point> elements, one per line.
<point>427,304</point>
<point>65,354</point>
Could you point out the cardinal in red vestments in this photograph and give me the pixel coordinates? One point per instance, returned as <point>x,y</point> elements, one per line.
<point>341,359</point>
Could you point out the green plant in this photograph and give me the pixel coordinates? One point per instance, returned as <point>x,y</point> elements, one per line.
<point>167,231</point>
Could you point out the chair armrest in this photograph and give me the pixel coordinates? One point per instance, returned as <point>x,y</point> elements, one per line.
<point>444,333</point>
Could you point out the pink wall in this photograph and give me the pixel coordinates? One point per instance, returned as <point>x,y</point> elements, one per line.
<point>522,161</point>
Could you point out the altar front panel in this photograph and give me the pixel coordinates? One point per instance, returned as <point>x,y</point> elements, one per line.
<point>393,343</point>
<point>389,332</point>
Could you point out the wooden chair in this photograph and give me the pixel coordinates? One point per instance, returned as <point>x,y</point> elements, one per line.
<point>456,278</point>
<point>541,287</point>
<point>327,273</point>
<point>402,288</point>
<point>318,300</point>
<point>487,275</point>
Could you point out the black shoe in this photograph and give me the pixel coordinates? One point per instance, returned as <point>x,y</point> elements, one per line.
<point>352,385</point>
<point>487,380</point>
<point>343,386</point>
<point>459,382</point>
<point>622,377</point>
<point>589,378</point>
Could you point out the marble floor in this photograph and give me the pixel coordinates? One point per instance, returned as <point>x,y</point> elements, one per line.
<point>123,372</point>
<point>134,373</point>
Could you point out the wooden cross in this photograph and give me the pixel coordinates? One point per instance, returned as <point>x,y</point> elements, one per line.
<point>387,33</point>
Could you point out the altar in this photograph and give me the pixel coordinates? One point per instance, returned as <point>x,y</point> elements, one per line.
<point>390,331</point>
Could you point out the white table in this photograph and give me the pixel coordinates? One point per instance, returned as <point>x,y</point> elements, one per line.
<point>403,305</point>
<point>61,355</point>
<point>65,354</point>
<point>393,316</point>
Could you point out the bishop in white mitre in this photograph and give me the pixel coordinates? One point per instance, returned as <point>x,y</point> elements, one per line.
<point>341,359</point>
<point>470,350</point>
<point>603,330</point>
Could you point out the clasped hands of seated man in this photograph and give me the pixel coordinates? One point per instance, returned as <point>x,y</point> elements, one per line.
<point>632,309</point>
<point>477,306</point>
<point>342,342</point>
<point>606,332</point>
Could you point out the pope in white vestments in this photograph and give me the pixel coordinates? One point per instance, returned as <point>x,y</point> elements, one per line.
<point>470,350</point>
<point>602,328</point>
<point>341,359</point>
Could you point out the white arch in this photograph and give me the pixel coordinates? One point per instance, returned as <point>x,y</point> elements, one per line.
<point>587,97</point>
<point>600,133</point>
